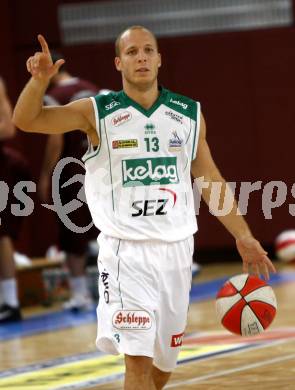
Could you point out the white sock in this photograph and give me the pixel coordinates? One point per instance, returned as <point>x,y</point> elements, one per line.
<point>79,286</point>
<point>9,292</point>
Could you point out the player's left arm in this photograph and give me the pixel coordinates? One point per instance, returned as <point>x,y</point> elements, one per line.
<point>249,248</point>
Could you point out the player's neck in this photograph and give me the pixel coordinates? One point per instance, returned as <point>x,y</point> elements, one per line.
<point>144,96</point>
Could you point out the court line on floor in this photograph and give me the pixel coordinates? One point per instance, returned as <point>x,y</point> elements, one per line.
<point>119,377</point>
<point>246,367</point>
<point>75,374</point>
<point>98,354</point>
<point>50,363</point>
<point>277,334</point>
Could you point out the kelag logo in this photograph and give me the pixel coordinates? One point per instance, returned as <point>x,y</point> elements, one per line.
<point>147,171</point>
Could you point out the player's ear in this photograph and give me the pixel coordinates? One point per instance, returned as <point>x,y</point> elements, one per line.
<point>118,63</point>
<point>160,60</point>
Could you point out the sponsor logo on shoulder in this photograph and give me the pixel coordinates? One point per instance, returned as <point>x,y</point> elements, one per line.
<point>124,143</point>
<point>149,171</point>
<point>175,143</point>
<point>132,319</point>
<point>178,103</point>
<point>112,105</point>
<point>119,119</point>
<point>176,340</point>
<point>178,118</point>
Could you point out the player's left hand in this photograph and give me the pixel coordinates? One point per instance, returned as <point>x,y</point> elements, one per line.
<point>255,259</point>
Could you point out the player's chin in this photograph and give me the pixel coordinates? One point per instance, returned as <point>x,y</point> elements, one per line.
<point>145,80</point>
<point>143,77</point>
<point>143,84</point>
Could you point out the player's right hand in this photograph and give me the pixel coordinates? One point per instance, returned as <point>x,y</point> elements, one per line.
<point>40,65</point>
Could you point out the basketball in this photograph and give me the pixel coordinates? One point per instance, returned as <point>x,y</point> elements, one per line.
<point>246,305</point>
<point>285,246</point>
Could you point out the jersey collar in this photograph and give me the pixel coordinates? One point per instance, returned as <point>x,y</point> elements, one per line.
<point>130,102</point>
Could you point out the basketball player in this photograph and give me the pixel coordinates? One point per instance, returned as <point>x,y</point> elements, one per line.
<point>64,88</point>
<point>145,140</point>
<point>13,168</point>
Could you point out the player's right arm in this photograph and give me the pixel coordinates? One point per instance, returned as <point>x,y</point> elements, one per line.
<point>30,114</point>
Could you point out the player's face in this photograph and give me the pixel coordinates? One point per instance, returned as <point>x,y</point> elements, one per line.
<point>139,59</point>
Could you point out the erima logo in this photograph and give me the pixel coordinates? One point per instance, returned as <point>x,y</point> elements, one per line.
<point>183,105</point>
<point>111,105</point>
<point>148,171</point>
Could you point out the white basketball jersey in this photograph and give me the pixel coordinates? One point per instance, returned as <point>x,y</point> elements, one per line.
<point>137,183</point>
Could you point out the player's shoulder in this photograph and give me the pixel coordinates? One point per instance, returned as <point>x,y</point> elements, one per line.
<point>104,96</point>
<point>181,103</point>
<point>108,102</point>
<point>178,96</point>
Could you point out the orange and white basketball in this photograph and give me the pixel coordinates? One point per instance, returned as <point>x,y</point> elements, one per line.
<point>246,305</point>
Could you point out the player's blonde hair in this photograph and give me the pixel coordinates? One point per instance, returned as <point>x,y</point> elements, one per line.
<point>136,27</point>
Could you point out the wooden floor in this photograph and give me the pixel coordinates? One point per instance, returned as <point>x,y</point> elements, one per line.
<point>268,363</point>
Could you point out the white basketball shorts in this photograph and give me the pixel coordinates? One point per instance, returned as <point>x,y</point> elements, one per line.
<point>143,297</point>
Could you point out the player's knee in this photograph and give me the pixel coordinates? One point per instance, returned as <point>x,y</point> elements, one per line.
<point>139,365</point>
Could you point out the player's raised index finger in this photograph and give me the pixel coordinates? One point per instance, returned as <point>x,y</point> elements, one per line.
<point>43,43</point>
